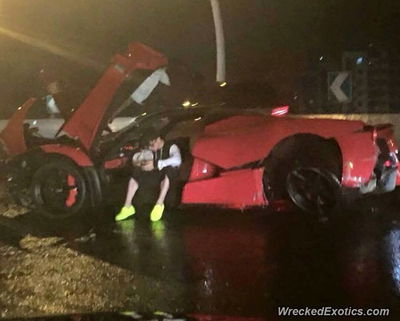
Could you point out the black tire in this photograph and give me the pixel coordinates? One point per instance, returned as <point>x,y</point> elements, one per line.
<point>314,190</point>
<point>303,152</point>
<point>51,190</point>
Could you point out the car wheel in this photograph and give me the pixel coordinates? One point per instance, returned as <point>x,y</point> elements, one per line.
<point>308,157</point>
<point>313,190</point>
<point>59,190</point>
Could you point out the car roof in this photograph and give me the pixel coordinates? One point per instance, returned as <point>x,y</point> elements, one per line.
<point>181,113</point>
<point>194,111</point>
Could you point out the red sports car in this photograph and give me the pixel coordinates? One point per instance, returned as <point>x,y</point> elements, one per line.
<point>231,158</point>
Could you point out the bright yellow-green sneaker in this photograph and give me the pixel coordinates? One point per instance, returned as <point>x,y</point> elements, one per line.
<point>157,212</point>
<point>125,213</point>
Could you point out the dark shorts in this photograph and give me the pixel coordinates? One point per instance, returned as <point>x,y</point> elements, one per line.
<point>155,175</point>
<point>149,185</point>
<point>147,178</point>
<point>171,172</point>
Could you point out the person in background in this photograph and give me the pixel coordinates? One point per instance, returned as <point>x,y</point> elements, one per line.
<point>159,164</point>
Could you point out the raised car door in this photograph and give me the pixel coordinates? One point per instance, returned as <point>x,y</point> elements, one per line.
<point>89,119</point>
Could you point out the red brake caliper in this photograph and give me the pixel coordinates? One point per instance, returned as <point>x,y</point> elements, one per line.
<point>73,191</point>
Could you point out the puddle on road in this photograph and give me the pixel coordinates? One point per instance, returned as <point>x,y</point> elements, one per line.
<point>212,262</point>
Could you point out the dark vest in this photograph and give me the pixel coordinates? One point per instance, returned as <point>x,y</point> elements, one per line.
<point>163,153</point>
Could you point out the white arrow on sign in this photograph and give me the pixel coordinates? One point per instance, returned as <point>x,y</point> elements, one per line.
<point>336,87</point>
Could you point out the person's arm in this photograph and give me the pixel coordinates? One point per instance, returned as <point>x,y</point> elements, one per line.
<point>175,159</point>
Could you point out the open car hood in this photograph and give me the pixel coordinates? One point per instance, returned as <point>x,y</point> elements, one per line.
<point>89,119</point>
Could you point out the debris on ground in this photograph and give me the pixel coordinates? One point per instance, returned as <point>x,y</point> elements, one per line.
<point>90,236</point>
<point>52,279</point>
<point>48,275</point>
<point>7,207</point>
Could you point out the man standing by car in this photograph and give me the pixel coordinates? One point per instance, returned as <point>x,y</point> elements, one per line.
<point>167,160</point>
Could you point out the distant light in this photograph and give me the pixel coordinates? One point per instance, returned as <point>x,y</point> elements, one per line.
<point>194,104</point>
<point>197,119</point>
<point>186,103</point>
<point>280,111</point>
<point>321,58</point>
<point>34,122</point>
<point>360,60</point>
<point>20,107</point>
<point>144,114</point>
<point>223,84</point>
<point>374,134</point>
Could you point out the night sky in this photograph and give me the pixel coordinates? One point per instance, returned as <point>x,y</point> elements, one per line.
<point>266,39</point>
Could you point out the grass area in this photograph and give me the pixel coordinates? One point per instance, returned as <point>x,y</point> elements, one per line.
<point>43,275</point>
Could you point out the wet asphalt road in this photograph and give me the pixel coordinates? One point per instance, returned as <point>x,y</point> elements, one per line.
<point>250,263</point>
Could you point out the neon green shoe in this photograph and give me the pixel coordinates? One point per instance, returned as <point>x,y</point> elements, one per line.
<point>157,212</point>
<point>125,213</point>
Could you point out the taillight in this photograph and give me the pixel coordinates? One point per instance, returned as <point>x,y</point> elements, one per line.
<point>280,111</point>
